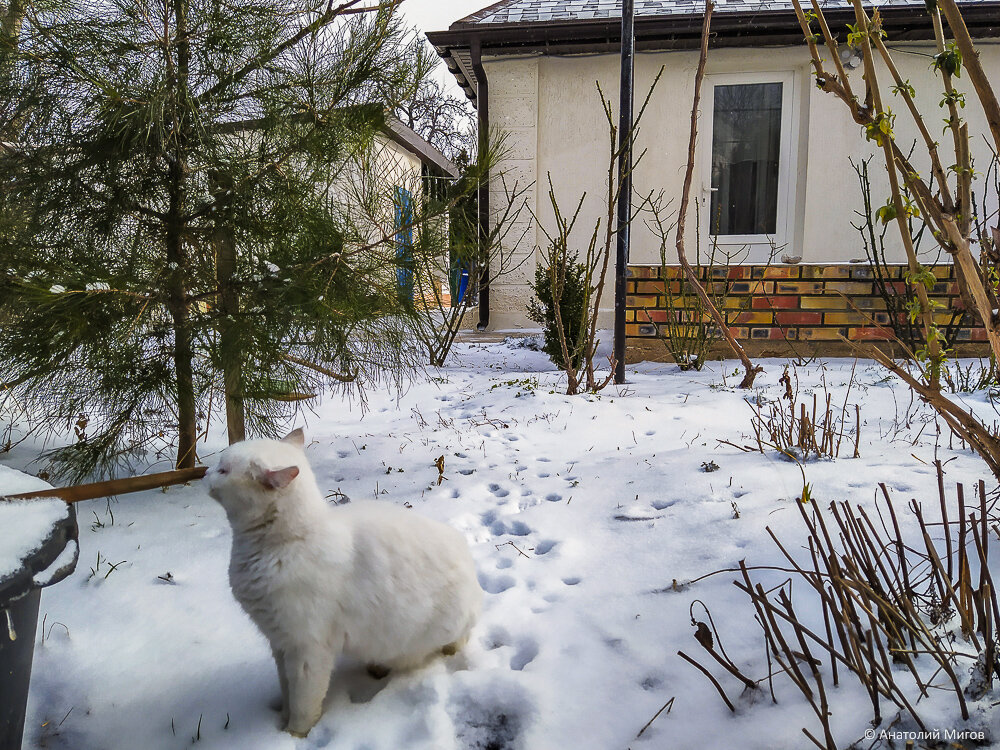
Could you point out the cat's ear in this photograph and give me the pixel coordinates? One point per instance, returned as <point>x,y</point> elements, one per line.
<point>296,437</point>
<point>276,479</point>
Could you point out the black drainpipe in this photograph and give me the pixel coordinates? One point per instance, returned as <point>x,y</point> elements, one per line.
<point>483,107</point>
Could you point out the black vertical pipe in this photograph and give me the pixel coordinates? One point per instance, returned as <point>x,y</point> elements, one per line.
<point>625,94</point>
<point>483,110</point>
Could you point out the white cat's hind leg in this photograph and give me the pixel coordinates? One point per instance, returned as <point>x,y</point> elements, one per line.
<point>308,674</point>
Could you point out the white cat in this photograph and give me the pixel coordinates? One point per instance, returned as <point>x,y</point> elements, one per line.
<point>373,581</point>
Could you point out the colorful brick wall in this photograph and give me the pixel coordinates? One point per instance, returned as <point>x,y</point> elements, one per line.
<point>776,308</point>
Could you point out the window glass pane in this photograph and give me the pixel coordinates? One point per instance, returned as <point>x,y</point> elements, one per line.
<point>746,135</point>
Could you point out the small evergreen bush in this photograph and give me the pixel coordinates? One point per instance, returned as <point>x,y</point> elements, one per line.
<point>572,304</point>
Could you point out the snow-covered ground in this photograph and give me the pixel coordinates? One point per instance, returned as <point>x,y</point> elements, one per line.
<point>581,512</point>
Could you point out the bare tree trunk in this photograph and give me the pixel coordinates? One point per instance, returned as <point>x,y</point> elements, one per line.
<point>230,344</point>
<point>11,19</point>
<point>970,59</point>
<point>183,344</point>
<point>10,28</point>
<point>689,272</point>
<point>177,259</point>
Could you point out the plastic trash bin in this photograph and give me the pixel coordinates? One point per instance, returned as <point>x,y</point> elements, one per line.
<point>48,556</point>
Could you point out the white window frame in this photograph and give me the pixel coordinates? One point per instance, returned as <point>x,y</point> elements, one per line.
<point>759,247</point>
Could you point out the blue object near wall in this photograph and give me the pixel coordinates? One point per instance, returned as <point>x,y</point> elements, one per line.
<point>404,243</point>
<point>463,284</point>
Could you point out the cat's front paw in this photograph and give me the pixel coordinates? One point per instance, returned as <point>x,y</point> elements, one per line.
<point>299,728</point>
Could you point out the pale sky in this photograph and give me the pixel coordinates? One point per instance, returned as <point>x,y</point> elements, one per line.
<point>438,15</point>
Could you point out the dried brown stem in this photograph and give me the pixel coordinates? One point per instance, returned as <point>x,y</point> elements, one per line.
<point>689,272</point>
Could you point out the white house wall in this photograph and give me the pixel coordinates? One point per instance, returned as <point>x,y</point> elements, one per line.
<point>514,100</point>
<point>550,109</point>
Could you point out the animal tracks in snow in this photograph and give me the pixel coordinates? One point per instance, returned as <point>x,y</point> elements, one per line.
<point>545,546</point>
<point>496,584</point>
<point>525,648</point>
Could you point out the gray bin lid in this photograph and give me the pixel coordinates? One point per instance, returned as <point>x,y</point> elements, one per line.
<point>49,561</point>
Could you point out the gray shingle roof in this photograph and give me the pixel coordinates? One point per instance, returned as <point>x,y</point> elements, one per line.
<point>540,11</point>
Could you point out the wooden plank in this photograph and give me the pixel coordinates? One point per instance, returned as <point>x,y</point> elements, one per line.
<point>79,492</point>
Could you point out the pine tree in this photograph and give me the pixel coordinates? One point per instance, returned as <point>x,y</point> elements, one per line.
<point>169,237</point>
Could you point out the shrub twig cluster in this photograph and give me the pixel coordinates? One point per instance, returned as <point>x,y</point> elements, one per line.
<point>897,612</point>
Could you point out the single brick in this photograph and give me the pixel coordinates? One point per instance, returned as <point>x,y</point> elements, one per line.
<point>826,272</point>
<point>862,272</point>
<point>774,303</point>
<point>798,287</point>
<point>760,333</point>
<point>798,318</point>
<point>671,272</point>
<point>869,303</point>
<point>649,286</point>
<point>641,301</point>
<point>643,272</point>
<point>743,318</point>
<point>654,316</point>
<point>849,288</point>
<point>822,334</point>
<point>782,272</point>
<point>844,319</point>
<point>870,334</point>
<point>826,302</point>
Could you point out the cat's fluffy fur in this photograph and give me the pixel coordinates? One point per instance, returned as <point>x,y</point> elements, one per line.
<point>373,581</point>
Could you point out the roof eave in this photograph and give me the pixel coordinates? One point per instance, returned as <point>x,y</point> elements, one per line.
<point>670,32</point>
<point>409,139</point>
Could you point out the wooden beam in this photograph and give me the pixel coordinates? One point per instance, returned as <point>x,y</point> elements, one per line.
<point>79,492</point>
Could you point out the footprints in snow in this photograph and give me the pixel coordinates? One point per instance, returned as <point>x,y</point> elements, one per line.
<point>496,584</point>
<point>500,527</point>
<point>545,546</point>
<point>525,647</point>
